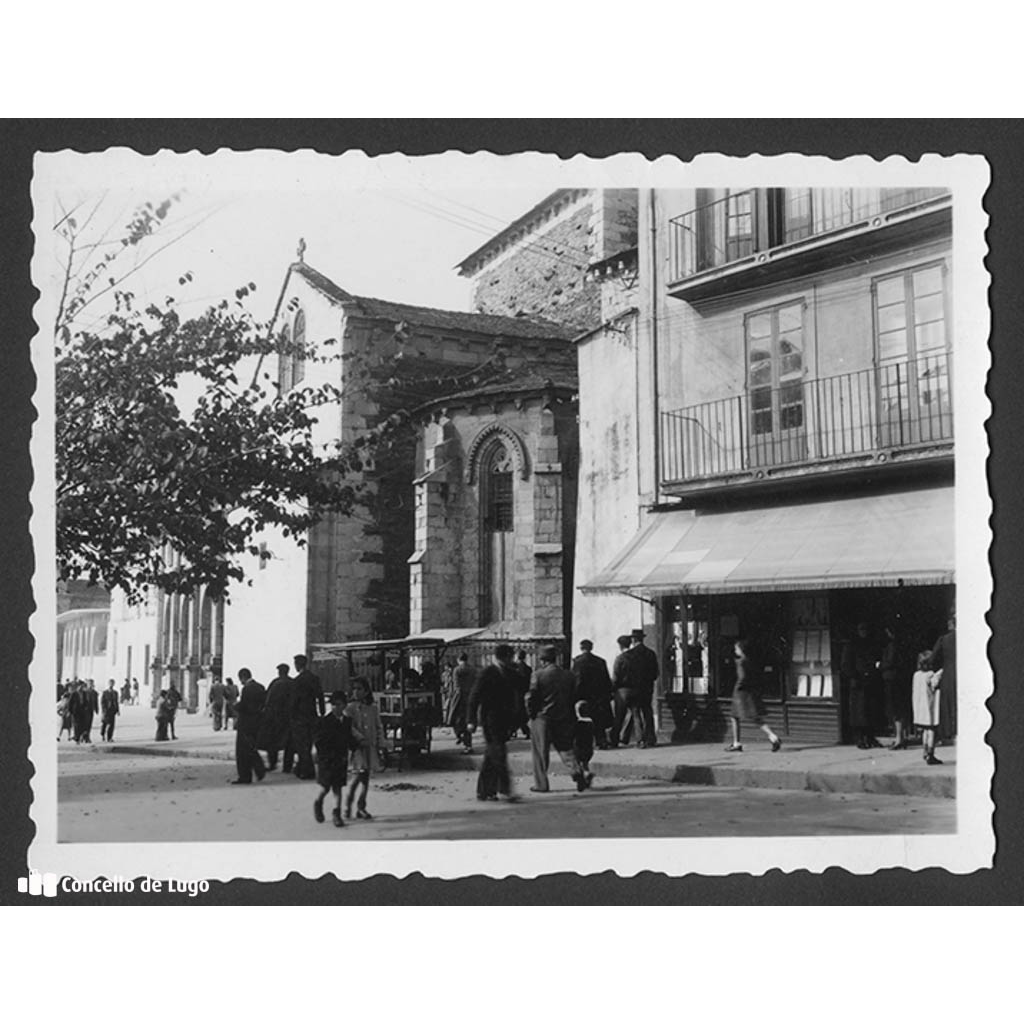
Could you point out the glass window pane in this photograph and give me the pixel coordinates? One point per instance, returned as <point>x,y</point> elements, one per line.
<point>760,374</point>
<point>791,318</point>
<point>759,325</point>
<point>927,307</point>
<point>791,365</point>
<point>892,345</point>
<point>892,318</point>
<point>928,281</point>
<point>930,337</point>
<point>761,399</point>
<point>890,290</point>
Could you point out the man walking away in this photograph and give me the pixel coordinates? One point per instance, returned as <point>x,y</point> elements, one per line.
<point>644,673</point>
<point>594,685</point>
<point>217,699</point>
<point>250,706</point>
<point>465,678</point>
<point>550,703</point>
<point>492,704</point>
<point>109,710</point>
<point>275,728</point>
<point>625,696</point>
<point>307,704</point>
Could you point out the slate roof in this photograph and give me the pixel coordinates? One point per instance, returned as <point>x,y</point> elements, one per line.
<point>452,320</point>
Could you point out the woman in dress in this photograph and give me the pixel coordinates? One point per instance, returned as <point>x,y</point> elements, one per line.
<point>746,700</point>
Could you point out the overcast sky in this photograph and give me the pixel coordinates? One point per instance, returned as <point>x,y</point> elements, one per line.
<point>241,219</point>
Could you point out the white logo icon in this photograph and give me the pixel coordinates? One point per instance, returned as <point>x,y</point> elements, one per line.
<point>38,884</point>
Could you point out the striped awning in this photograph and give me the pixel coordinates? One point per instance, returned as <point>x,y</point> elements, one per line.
<point>868,541</point>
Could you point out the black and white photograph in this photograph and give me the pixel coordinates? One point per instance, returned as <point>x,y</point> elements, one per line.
<point>506,515</point>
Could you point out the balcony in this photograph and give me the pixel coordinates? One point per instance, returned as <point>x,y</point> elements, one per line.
<point>763,236</point>
<point>898,413</point>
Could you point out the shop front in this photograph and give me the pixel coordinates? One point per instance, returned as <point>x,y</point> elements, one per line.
<point>794,581</point>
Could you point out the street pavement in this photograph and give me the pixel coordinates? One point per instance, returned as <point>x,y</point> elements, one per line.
<point>138,790</point>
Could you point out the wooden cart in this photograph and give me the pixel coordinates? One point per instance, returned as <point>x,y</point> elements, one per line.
<point>405,676</point>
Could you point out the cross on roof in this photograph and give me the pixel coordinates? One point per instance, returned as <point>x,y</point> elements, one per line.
<point>301,250</point>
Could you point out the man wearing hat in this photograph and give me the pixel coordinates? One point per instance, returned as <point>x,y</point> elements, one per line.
<point>250,708</point>
<point>333,742</point>
<point>626,714</point>
<point>594,685</point>
<point>275,729</point>
<point>551,706</point>
<point>644,673</point>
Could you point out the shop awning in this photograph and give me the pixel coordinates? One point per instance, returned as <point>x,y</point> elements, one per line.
<point>869,541</point>
<point>428,638</point>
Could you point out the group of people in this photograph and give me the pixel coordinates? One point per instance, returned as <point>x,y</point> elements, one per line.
<point>289,718</point>
<point>912,689</point>
<point>222,703</point>
<point>78,703</point>
<point>571,710</point>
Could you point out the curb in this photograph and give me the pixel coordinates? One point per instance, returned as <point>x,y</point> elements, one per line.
<point>815,780</point>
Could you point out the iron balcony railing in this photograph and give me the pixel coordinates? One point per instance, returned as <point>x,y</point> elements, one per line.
<point>741,224</point>
<point>893,406</point>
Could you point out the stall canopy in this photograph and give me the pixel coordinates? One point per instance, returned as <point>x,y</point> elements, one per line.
<point>428,638</point>
<point>869,541</point>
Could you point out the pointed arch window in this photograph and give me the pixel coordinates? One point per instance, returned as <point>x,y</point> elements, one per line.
<point>497,507</point>
<point>284,361</point>
<point>299,341</point>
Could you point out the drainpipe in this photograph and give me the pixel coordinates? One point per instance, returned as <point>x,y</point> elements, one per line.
<point>653,298</point>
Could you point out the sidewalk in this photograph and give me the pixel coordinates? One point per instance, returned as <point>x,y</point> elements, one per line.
<point>828,769</point>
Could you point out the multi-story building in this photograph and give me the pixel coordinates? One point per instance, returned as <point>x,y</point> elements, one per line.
<point>786,383</point>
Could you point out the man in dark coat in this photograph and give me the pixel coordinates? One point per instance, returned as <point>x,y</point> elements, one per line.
<point>551,704</point>
<point>644,673</point>
<point>594,685</point>
<point>173,702</point>
<point>109,710</point>
<point>81,705</point>
<point>944,657</point>
<point>492,705</point>
<point>275,728</point>
<point>307,704</point>
<point>859,669</point>
<point>626,714</point>
<point>464,678</point>
<point>250,706</point>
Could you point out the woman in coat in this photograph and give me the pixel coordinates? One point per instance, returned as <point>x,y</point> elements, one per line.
<point>746,700</point>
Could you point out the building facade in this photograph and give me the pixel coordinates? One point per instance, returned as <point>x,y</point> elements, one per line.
<point>370,575</point>
<point>794,476</point>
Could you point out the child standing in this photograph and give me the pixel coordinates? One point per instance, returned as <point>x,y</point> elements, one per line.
<point>926,704</point>
<point>333,741</point>
<point>583,743</point>
<point>367,739</point>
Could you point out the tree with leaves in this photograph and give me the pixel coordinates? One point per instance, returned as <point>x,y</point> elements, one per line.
<point>155,487</point>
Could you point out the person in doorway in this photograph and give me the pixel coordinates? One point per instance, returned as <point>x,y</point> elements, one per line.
<point>493,705</point>
<point>747,705</point>
<point>465,677</point>
<point>944,661</point>
<point>174,702</point>
<point>551,705</point>
<point>926,704</point>
<point>333,742</point>
<point>216,699</point>
<point>307,699</point>
<point>275,728</point>
<point>859,667</point>
<point>109,710</point>
<point>250,707</point>
<point>368,740</point>
<point>594,685</point>
<point>896,680</point>
<point>163,716</point>
<point>626,720</point>
<point>644,673</point>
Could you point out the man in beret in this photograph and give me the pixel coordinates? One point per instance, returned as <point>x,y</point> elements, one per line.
<point>644,673</point>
